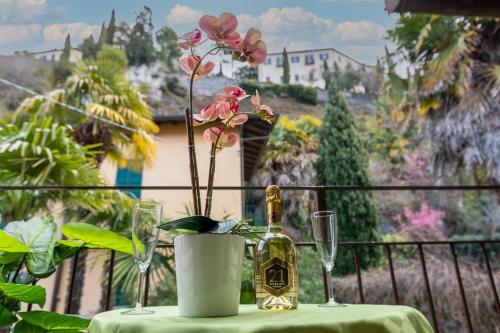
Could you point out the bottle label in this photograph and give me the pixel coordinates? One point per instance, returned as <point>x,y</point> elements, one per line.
<point>276,276</point>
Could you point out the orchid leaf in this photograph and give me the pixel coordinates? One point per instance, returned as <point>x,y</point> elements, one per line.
<point>224,227</point>
<point>197,223</point>
<point>200,224</point>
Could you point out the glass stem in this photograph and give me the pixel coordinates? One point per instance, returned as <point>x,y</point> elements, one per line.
<point>329,283</point>
<point>140,292</point>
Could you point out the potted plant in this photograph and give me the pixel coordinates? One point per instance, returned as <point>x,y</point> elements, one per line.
<point>209,263</point>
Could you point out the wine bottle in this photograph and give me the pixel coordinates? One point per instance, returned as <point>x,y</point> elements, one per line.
<point>276,280</point>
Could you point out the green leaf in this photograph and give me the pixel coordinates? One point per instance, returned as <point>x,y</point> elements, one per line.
<point>197,223</point>
<point>6,317</point>
<point>97,238</point>
<point>63,252</point>
<point>224,227</point>
<point>24,293</point>
<point>25,327</point>
<point>52,321</point>
<point>39,235</point>
<point>71,243</point>
<point>11,244</point>
<point>9,258</point>
<point>200,224</point>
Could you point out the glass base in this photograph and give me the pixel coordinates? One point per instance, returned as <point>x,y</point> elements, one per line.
<point>138,310</point>
<point>332,305</point>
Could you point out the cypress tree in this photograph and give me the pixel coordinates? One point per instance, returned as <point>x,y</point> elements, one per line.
<point>286,67</point>
<point>327,75</point>
<point>67,49</point>
<point>110,33</point>
<point>343,160</point>
<point>102,36</point>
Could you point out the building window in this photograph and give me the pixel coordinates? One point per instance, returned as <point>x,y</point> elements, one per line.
<point>129,177</point>
<point>295,59</point>
<point>323,56</point>
<point>267,61</point>
<point>311,76</point>
<point>309,59</point>
<point>282,79</point>
<point>279,61</point>
<point>296,78</point>
<point>268,79</point>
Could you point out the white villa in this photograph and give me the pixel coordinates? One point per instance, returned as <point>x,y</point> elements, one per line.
<point>55,55</point>
<point>306,67</point>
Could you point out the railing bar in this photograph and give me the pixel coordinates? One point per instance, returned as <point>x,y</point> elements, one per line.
<point>370,244</point>
<point>72,281</point>
<point>428,288</point>
<point>30,306</point>
<point>391,271</point>
<point>461,287</point>
<point>285,188</point>
<point>490,275</point>
<point>358,274</point>
<point>146,292</point>
<point>110,280</point>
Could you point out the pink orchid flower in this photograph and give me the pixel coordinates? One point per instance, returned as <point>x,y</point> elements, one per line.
<point>264,112</point>
<point>226,139</point>
<point>210,112</point>
<point>191,39</point>
<point>221,29</point>
<point>226,110</point>
<point>253,47</point>
<point>231,94</point>
<point>237,120</point>
<point>188,64</point>
<point>255,99</point>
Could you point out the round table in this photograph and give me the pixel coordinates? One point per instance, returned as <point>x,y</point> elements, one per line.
<point>309,318</point>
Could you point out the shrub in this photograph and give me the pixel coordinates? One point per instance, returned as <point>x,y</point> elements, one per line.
<point>443,282</point>
<point>343,160</point>
<point>298,92</point>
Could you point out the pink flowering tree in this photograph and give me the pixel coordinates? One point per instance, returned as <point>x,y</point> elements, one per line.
<point>223,113</point>
<point>427,223</point>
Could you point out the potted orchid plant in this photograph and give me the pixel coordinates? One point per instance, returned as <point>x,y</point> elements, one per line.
<point>209,263</point>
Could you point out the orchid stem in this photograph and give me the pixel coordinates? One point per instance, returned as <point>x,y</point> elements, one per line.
<point>211,171</point>
<point>193,166</point>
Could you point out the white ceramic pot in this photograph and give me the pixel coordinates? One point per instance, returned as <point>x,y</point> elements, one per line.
<point>208,269</point>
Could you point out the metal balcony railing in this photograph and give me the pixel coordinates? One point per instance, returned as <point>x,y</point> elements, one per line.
<point>354,246</point>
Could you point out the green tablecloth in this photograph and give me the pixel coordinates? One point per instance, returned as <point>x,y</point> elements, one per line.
<point>308,318</point>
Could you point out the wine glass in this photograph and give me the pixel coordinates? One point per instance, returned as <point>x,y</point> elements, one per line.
<point>146,219</point>
<point>324,225</point>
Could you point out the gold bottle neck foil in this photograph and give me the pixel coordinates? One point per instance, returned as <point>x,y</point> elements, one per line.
<point>273,200</point>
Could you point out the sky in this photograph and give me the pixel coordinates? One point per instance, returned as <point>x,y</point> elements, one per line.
<point>355,27</point>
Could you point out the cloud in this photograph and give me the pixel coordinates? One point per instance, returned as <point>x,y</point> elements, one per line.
<point>14,33</point>
<point>181,14</point>
<point>301,29</point>
<point>77,30</point>
<point>26,11</point>
<point>289,19</point>
<point>360,31</point>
